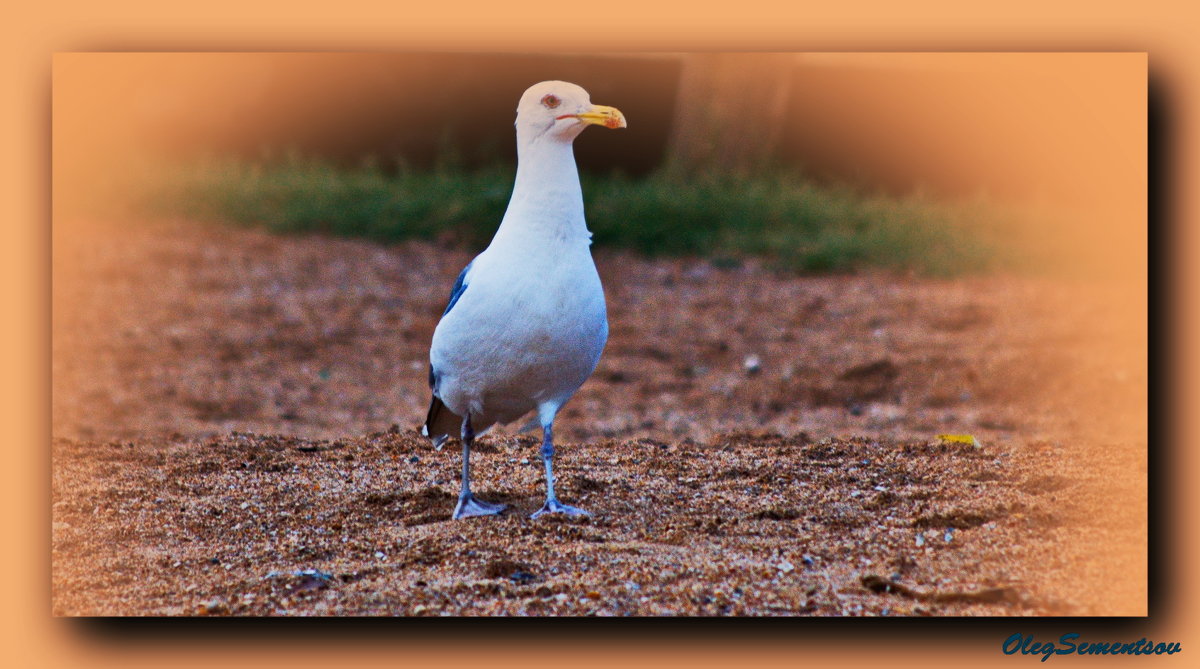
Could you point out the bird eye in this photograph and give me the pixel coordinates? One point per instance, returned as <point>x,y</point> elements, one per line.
<point>550,101</point>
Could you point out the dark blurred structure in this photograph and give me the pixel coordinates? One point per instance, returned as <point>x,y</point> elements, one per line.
<point>1045,125</point>
<point>730,113</point>
<point>419,110</point>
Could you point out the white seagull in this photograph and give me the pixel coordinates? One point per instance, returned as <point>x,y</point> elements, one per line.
<point>526,321</point>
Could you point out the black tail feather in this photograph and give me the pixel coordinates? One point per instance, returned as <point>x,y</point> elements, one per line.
<point>441,422</point>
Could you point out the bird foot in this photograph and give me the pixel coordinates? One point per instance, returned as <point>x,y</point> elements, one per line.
<point>470,505</point>
<point>555,506</point>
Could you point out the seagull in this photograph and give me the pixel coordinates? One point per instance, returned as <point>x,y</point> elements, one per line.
<point>526,320</point>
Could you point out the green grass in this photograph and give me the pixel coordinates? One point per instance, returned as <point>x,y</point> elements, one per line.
<point>795,224</point>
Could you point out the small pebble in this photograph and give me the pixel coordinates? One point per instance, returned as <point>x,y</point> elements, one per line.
<point>920,539</point>
<point>752,364</point>
<point>213,606</point>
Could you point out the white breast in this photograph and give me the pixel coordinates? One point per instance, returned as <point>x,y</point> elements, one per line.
<point>528,330</point>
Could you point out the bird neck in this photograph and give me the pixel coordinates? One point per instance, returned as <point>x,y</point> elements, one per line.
<point>547,201</point>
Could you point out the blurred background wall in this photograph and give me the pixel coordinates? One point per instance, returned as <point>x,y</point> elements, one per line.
<point>1065,129</point>
<point>1014,124</point>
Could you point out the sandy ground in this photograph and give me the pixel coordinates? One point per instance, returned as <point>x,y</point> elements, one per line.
<point>234,421</point>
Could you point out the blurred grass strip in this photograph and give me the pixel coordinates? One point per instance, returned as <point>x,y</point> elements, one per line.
<point>794,223</point>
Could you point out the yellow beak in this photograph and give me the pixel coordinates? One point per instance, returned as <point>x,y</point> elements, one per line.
<point>609,117</point>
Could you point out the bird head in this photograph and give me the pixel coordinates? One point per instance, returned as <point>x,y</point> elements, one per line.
<point>560,110</point>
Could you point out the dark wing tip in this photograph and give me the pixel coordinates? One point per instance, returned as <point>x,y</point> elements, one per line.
<point>460,286</point>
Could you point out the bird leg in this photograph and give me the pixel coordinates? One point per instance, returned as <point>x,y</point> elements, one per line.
<point>468,504</point>
<point>552,504</point>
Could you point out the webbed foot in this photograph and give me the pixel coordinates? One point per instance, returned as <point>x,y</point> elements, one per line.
<point>555,506</point>
<point>470,505</point>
